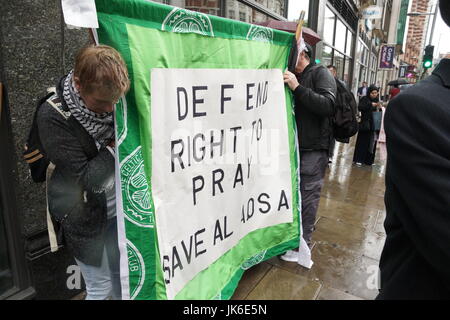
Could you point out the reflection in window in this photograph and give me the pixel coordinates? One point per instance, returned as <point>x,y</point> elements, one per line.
<point>348,50</point>
<point>348,63</point>
<point>358,51</point>
<point>341,32</point>
<point>242,16</point>
<point>339,64</point>
<point>212,7</point>
<point>259,17</point>
<point>327,55</point>
<point>362,74</point>
<point>328,26</point>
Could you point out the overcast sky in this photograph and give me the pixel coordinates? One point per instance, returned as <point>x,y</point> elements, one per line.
<point>441,37</point>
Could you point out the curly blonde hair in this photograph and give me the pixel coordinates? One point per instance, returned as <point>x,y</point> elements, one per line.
<point>101,67</point>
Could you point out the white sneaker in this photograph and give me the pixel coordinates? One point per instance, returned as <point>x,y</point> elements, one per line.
<point>291,256</point>
<point>359,164</point>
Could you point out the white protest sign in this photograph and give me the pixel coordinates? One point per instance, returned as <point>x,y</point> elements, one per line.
<point>80,13</point>
<point>220,163</point>
<point>372,12</point>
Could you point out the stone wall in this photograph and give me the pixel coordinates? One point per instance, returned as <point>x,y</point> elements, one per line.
<point>36,49</point>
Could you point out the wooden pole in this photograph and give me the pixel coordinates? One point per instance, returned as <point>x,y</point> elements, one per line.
<point>300,25</point>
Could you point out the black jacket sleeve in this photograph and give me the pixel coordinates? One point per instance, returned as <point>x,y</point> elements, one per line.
<point>418,167</point>
<point>319,101</point>
<point>365,105</point>
<point>65,150</point>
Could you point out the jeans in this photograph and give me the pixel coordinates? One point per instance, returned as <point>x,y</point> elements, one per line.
<point>104,281</point>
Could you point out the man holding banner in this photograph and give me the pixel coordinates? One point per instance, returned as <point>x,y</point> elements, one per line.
<point>314,92</point>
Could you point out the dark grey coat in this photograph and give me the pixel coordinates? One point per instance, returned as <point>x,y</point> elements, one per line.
<point>77,187</point>
<point>415,262</point>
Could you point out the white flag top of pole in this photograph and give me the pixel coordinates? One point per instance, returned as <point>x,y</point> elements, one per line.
<point>80,13</point>
<point>299,35</point>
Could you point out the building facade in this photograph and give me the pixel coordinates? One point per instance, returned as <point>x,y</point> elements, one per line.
<point>416,32</point>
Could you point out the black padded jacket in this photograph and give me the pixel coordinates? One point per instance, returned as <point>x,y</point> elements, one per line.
<point>314,107</point>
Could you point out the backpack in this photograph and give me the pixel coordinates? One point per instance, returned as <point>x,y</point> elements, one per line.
<point>41,167</point>
<point>34,153</point>
<point>345,123</point>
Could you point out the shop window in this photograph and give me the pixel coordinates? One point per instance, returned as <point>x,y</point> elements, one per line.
<point>341,33</point>
<point>338,62</point>
<point>328,32</point>
<point>348,63</point>
<point>327,55</point>
<point>362,74</point>
<point>242,16</point>
<point>231,14</point>
<point>348,49</point>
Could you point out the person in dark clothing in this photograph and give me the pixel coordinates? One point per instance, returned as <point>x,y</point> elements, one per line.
<point>415,261</point>
<point>79,141</point>
<point>314,90</point>
<point>362,91</point>
<point>366,141</point>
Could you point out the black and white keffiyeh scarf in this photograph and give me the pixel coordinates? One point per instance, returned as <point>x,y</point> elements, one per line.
<point>99,125</point>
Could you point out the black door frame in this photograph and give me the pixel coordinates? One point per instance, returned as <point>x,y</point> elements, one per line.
<point>22,284</point>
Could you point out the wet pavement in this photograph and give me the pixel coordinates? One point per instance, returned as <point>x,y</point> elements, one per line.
<point>348,240</point>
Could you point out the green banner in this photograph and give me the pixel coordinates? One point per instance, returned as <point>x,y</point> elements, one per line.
<point>207,184</point>
<point>401,25</point>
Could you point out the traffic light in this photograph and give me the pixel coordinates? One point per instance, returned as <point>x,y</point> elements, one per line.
<point>428,57</point>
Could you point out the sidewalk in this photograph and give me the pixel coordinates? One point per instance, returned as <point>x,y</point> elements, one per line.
<point>348,241</point>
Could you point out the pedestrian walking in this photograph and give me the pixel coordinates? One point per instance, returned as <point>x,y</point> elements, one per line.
<point>415,261</point>
<point>314,90</point>
<point>79,141</point>
<point>362,91</point>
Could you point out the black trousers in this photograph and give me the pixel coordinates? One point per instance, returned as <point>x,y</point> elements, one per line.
<point>313,165</point>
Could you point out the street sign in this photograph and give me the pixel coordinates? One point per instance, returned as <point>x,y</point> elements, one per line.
<point>402,71</point>
<point>387,57</point>
<point>372,12</point>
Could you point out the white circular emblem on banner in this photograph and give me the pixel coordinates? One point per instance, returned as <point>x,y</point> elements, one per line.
<point>137,207</point>
<point>260,34</point>
<point>186,21</point>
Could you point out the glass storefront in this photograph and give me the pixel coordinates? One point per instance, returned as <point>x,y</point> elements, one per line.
<point>328,27</point>
<point>243,12</point>
<point>363,57</point>
<point>337,45</point>
<point>327,55</point>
